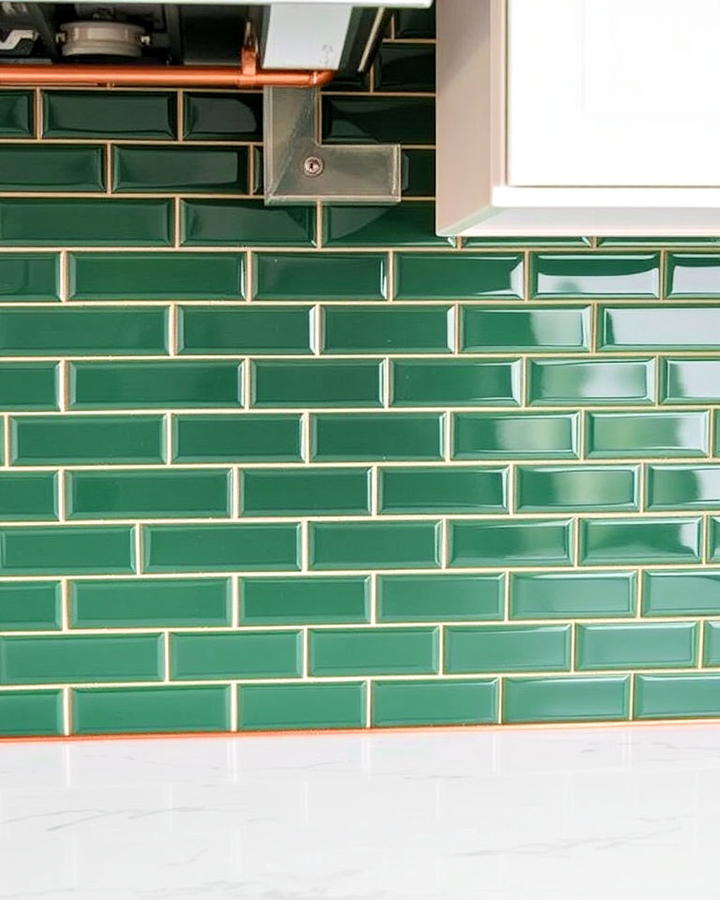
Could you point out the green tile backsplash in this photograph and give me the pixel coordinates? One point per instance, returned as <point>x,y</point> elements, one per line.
<point>316,467</point>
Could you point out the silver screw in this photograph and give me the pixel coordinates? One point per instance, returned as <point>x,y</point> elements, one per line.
<point>313,166</point>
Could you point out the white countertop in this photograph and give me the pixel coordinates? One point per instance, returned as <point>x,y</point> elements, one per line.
<point>630,812</point>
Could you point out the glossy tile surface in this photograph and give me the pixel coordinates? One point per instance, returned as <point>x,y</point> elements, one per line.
<point>282,707</point>
<point>435,598</point>
<point>515,436</point>
<point>349,545</point>
<point>338,276</point>
<point>456,383</point>
<point>650,540</point>
<point>220,170</point>
<point>30,605</point>
<point>429,276</point>
<point>443,702</point>
<point>583,488</point>
<point>33,167</point>
<point>231,438</point>
<point>655,645</point>
<point>577,595</point>
<point>226,117</point>
<point>693,275</point>
<point>427,490</point>
<point>306,599</point>
<point>683,487</point>
<point>377,437</point>
<point>316,383</point>
<point>507,648</point>
<point>645,434</point>
<point>377,330</point>
<point>29,276</point>
<point>16,114</point>
<point>272,654</point>
<point>560,382</point>
<point>520,542</point>
<point>382,651</point>
<point>681,593</point>
<point>246,222</point>
<point>691,381</point>
<point>316,491</point>
<point>121,114</point>
<point>29,386</point>
<point>658,327</point>
<point>522,328</point>
<point>405,225</point>
<point>604,275</point>
<point>216,331</point>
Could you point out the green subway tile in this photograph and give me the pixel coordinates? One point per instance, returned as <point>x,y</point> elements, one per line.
<point>409,224</point>
<point>576,488</point>
<point>305,492</point>
<point>677,696</point>
<point>374,651</point>
<point>67,550</point>
<point>29,276</point>
<point>640,540</point>
<point>156,276</point>
<point>150,709</point>
<point>519,542</point>
<point>30,713</point>
<point>148,495</point>
<point>693,275</point>
<point>667,241</point>
<point>109,114</point>
<point>440,598</point>
<point>145,602</point>
<point>513,329</point>
<point>286,707</point>
<point>683,487</point>
<point>458,276</point>
<point>370,545</point>
<point>216,170</point>
<point>28,496</point>
<point>246,222</point>
<point>224,117</point>
<point>236,438</point>
<point>557,382</point>
<point>515,435</point>
<point>80,658</point>
<point>422,382</point>
<point>163,385</point>
<point>214,330</point>
<point>714,539</point>
<point>270,654</point>
<point>28,386</point>
<point>563,595</point>
<point>82,332</point>
<point>566,699</point>
<point>690,381</point>
<point>507,648</point>
<point>415,23</point>
<point>404,329</point>
<point>303,601</point>
<point>655,645</point>
<point>16,114</point>
<point>320,276</point>
<point>41,440</point>
<point>711,653</point>
<point>443,490</point>
<point>405,67</point>
<point>658,327</point>
<point>317,383</point>
<point>436,702</point>
<point>595,275</point>
<point>612,435</point>
<point>357,120</point>
<point>44,167</point>
<point>382,436</point>
<point>207,548</point>
<point>681,593</point>
<point>418,173</point>
<point>30,606</point>
<point>37,222</point>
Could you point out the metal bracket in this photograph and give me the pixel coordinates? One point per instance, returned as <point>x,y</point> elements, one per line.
<point>299,169</point>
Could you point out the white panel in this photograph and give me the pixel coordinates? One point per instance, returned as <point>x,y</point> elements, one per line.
<point>305,36</point>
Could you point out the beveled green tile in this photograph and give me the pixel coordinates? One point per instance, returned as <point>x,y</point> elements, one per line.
<point>662,434</point>
<point>320,276</point>
<point>316,383</point>
<point>233,116</point>
<point>454,382</point>
<point>139,115</point>
<point>514,329</point>
<point>80,658</point>
<point>160,385</point>
<point>576,595</point>
<point>517,542</point>
<point>566,699</point>
<point>435,702</point>
<point>711,644</point>
<point>443,490</point>
<point>640,540</point>
<point>213,547</point>
<point>440,598</point>
<point>145,602</point>
<point>67,550</point>
<point>374,651</point>
<point>681,593</point>
<point>235,438</point>
<point>693,275</point>
<point>410,224</point>
<point>507,648</point>
<point>690,381</point>
<point>154,494</point>
<point>379,436</point>
<point>269,654</point>
<point>371,545</point>
<point>667,241</point>
<point>150,709</point>
<point>247,223</point>
<point>74,221</point>
<point>714,539</point>
<point>405,67</point>
<point>418,173</point>
<point>156,276</point>
<point>30,606</point>
<point>29,276</point>
<point>577,488</point>
<point>403,329</point>
<point>52,440</point>
<point>677,696</point>
<point>658,327</point>
<point>304,600</point>
<point>28,496</point>
<point>683,487</point>
<point>595,275</point>
<point>217,330</point>
<point>16,114</point>
<point>638,646</point>
<point>30,713</point>
<point>287,707</point>
<point>215,170</point>
<point>358,120</point>
<point>305,492</point>
<point>44,167</point>
<point>558,382</point>
<point>415,23</point>
<point>28,385</point>
<point>458,276</point>
<point>515,436</point>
